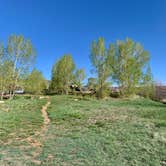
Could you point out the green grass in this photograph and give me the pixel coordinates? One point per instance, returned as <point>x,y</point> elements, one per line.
<point>20,118</point>
<point>88,132</point>
<point>111,132</point>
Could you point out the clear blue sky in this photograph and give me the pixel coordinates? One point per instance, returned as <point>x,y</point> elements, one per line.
<point>56,27</point>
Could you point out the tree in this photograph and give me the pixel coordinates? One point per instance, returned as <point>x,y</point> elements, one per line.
<point>35,83</point>
<point>147,79</point>
<point>148,85</point>
<point>100,62</point>
<point>1,70</point>
<point>79,77</point>
<point>56,84</point>
<point>62,74</point>
<point>128,62</point>
<point>5,72</point>
<point>92,83</point>
<point>21,54</point>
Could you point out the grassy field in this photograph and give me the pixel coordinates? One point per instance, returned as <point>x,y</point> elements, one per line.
<point>19,119</point>
<point>85,132</point>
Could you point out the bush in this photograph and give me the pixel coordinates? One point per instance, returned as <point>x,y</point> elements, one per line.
<point>147,91</point>
<point>115,94</point>
<point>105,92</point>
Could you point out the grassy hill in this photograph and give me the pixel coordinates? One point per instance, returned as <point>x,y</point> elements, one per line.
<point>84,132</point>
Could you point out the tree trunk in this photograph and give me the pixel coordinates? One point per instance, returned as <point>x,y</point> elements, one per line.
<point>2,95</point>
<point>15,78</point>
<point>10,94</point>
<point>66,91</point>
<point>101,90</point>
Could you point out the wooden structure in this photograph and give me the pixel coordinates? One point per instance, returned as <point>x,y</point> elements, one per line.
<point>84,91</point>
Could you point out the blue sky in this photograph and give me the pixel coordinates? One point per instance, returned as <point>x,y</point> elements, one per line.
<point>56,27</point>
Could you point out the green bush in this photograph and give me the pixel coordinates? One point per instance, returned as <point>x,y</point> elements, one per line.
<point>147,91</point>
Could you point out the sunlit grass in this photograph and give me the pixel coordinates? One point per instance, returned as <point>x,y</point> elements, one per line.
<point>85,131</point>
<point>20,118</point>
<point>108,132</point>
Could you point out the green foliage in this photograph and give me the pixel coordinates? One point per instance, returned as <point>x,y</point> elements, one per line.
<point>100,62</point>
<point>92,83</point>
<point>129,61</point>
<point>125,63</point>
<point>62,74</point>
<point>6,74</point>
<point>79,77</point>
<point>21,53</point>
<point>147,91</point>
<point>15,61</point>
<point>6,71</point>
<point>148,87</point>
<point>147,79</point>
<point>35,83</point>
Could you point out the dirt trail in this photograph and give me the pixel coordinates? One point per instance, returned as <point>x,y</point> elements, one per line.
<point>34,140</point>
<point>44,113</point>
<point>46,119</point>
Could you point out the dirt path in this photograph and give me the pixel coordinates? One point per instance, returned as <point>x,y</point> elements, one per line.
<point>46,119</point>
<point>45,114</point>
<point>34,140</point>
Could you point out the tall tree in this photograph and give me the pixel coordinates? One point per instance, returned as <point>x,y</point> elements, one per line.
<point>100,62</point>
<point>129,61</point>
<point>21,54</point>
<point>147,79</point>
<point>148,84</point>
<point>92,83</point>
<point>1,70</point>
<point>79,77</point>
<point>62,74</point>
<point>5,72</point>
<point>35,83</point>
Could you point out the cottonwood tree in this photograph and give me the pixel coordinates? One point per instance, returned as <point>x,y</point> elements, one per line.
<point>56,84</point>
<point>147,79</point>
<point>92,83</point>
<point>35,83</point>
<point>148,84</point>
<point>79,77</point>
<point>129,60</point>
<point>21,53</point>
<point>100,62</point>
<point>62,74</point>
<point>5,72</point>
<point>1,70</point>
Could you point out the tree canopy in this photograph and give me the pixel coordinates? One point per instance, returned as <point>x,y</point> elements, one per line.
<point>124,63</point>
<point>100,62</point>
<point>62,74</point>
<point>129,62</point>
<point>35,83</point>
<point>16,58</point>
